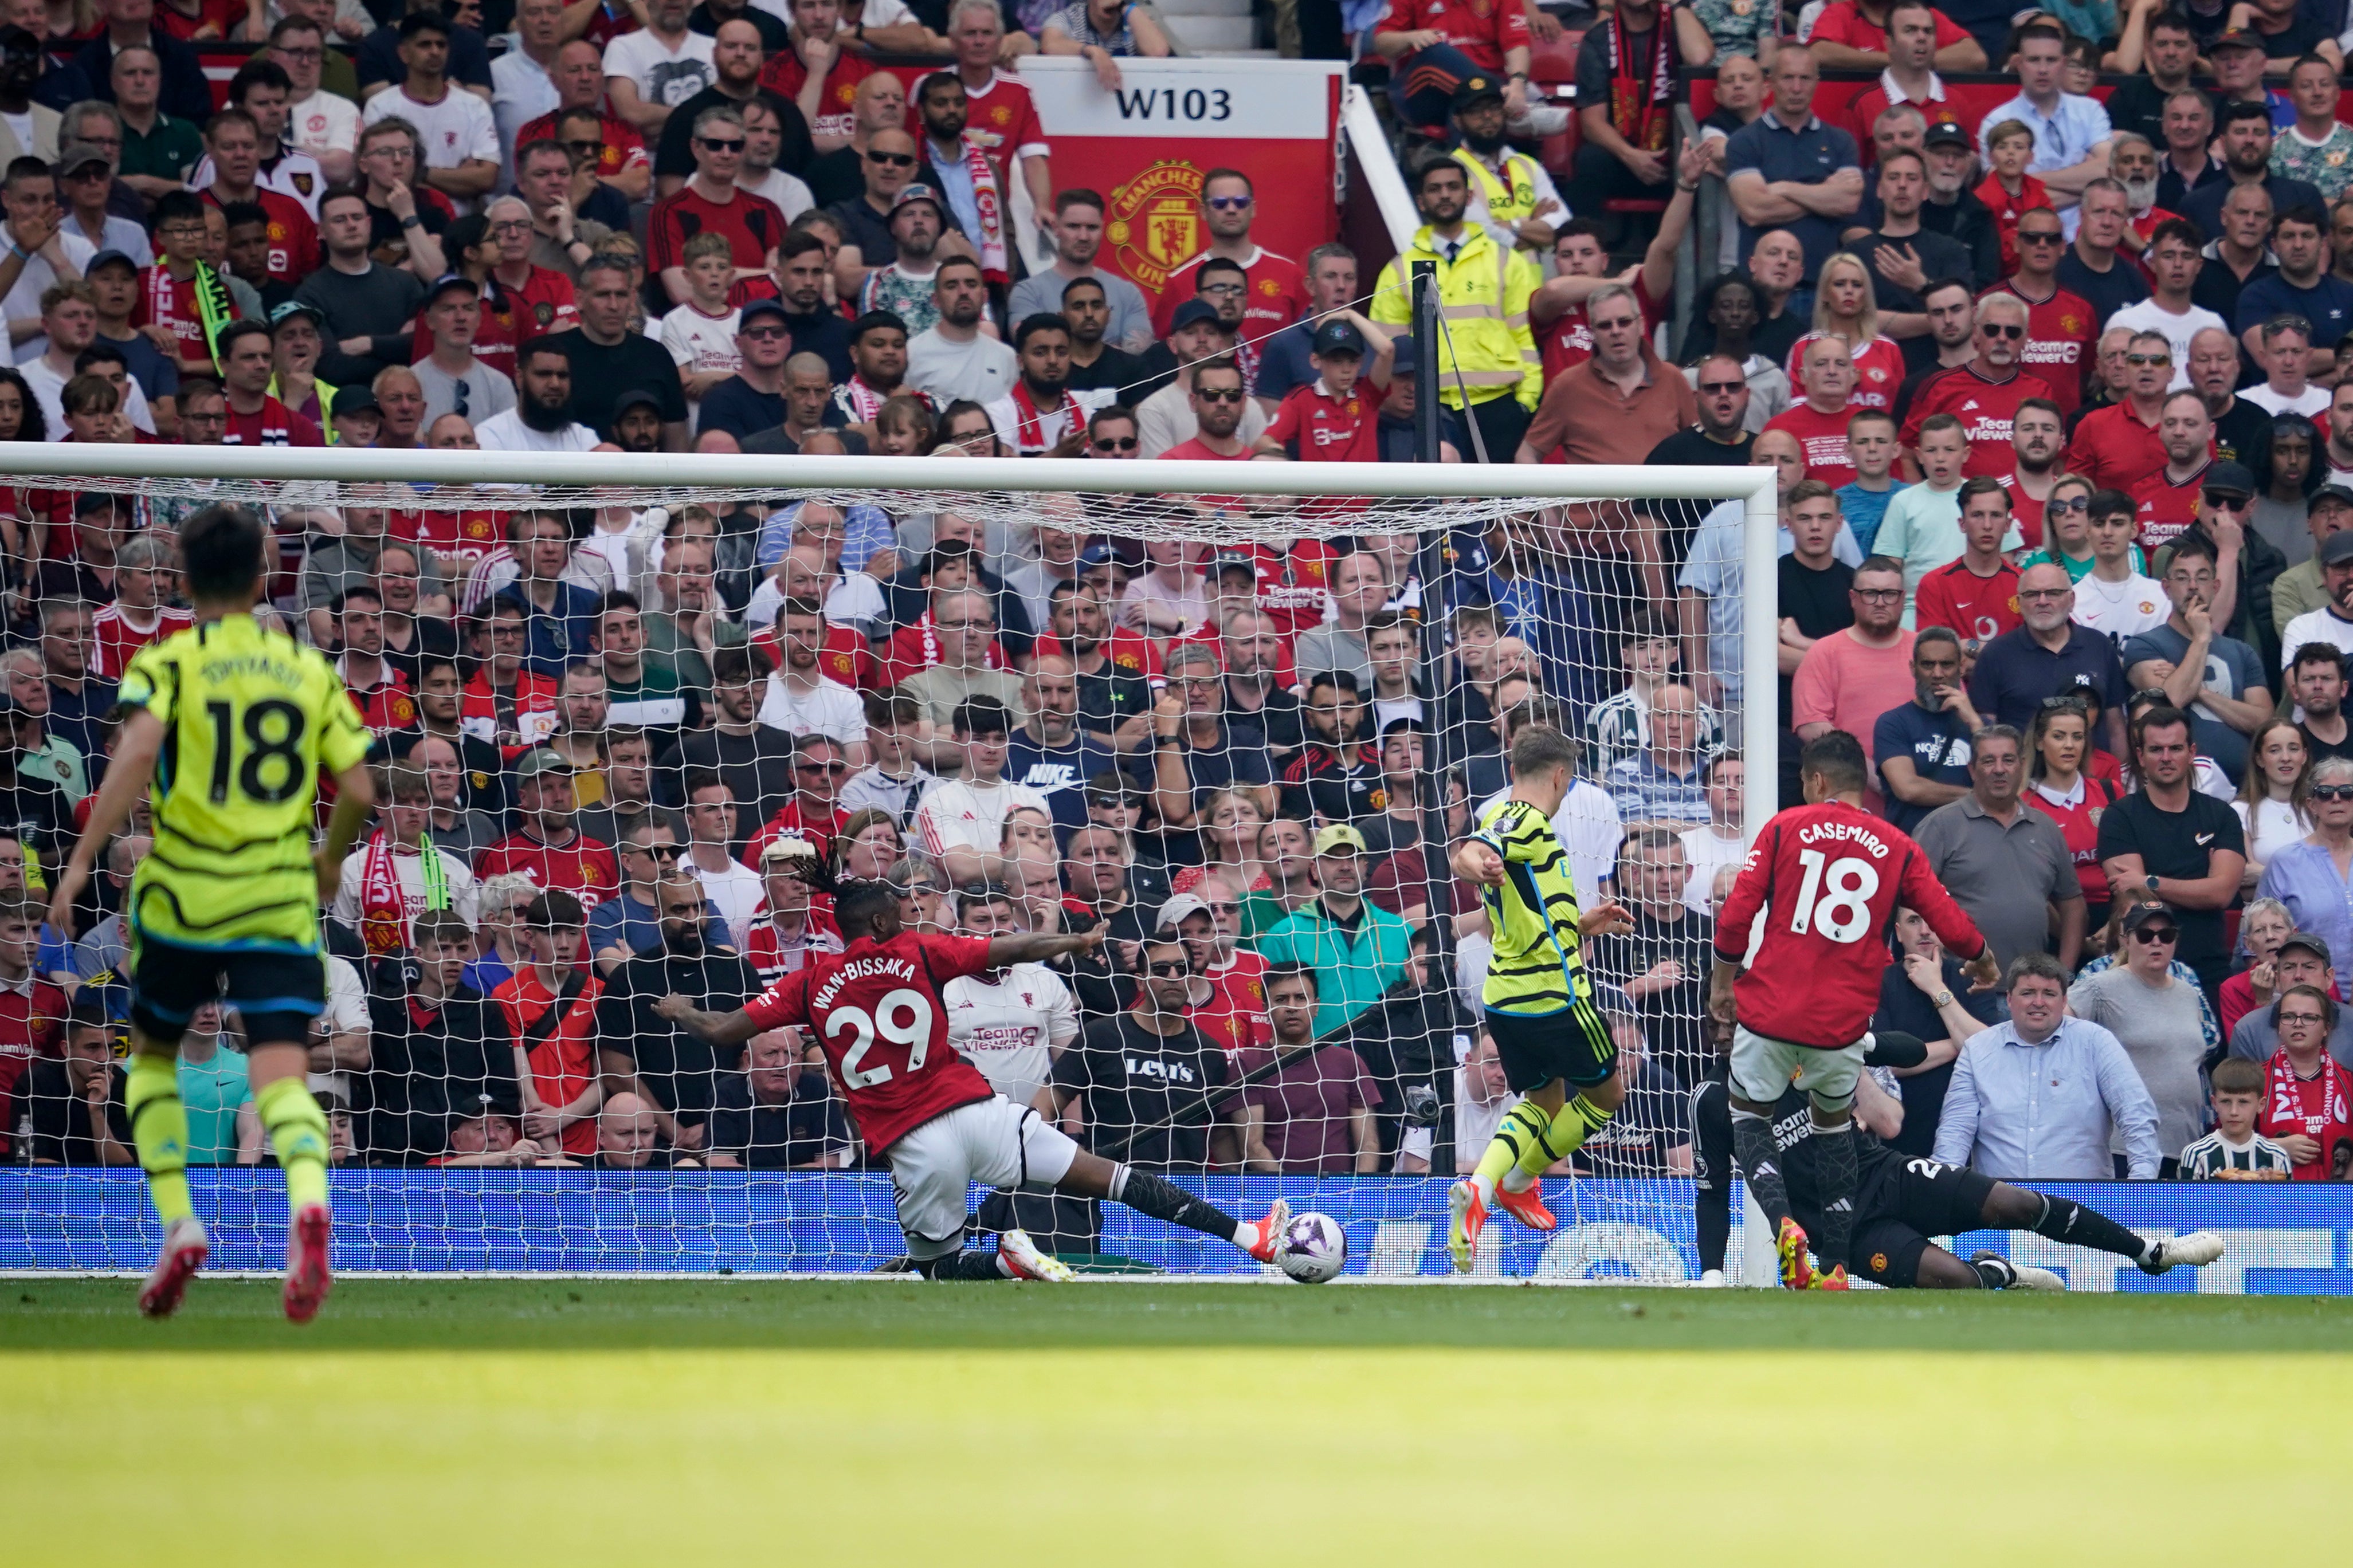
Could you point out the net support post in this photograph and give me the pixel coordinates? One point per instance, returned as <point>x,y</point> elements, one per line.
<point>1760,652</point>
<point>1425,361</point>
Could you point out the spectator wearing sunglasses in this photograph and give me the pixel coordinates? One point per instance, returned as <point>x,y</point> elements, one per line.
<point>1146,1075</point>
<point>621,929</point>
<point>710,203</point>
<point>1991,386</point>
<point>2311,877</point>
<point>2162,1020</point>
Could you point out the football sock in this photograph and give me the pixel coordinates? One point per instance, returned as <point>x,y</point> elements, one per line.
<point>2065,1219</point>
<point>159,1126</point>
<point>1761,1166</point>
<point>1149,1194</point>
<point>298,1132</point>
<point>1834,1175</point>
<point>971,1263</point>
<point>1572,1124</point>
<point>1515,1141</point>
<point>1994,1272</point>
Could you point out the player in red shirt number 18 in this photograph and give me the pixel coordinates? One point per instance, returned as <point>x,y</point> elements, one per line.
<point>874,1009</point>
<point>1827,877</point>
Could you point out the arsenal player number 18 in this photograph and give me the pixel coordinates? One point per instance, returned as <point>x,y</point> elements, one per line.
<point>1827,878</point>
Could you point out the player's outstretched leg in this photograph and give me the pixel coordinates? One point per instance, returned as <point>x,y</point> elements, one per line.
<point>159,1128</point>
<point>298,1132</point>
<point>2064,1220</point>
<point>1092,1176</point>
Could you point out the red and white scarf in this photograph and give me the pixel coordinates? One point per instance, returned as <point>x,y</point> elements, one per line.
<point>860,401</point>
<point>383,906</point>
<point>1030,427</point>
<point>990,202</point>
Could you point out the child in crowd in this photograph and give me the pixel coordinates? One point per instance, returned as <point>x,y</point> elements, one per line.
<point>1871,444</point>
<point>1923,525</point>
<point>2010,191</point>
<point>2234,1151</point>
<point>700,333</point>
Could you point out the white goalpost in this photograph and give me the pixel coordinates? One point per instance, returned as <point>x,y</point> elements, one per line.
<point>1184,736</point>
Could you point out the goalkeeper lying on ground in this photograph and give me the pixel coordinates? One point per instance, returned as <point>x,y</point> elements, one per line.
<point>1900,1202</point>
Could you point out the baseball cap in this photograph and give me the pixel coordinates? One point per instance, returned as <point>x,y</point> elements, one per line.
<point>1098,555</point>
<point>287,310</point>
<point>104,257</point>
<point>1115,786</point>
<point>352,400</point>
<point>1402,357</point>
<point>452,282</point>
<point>538,762</point>
<point>1177,908</point>
<point>1339,337</point>
<point>918,191</point>
<point>1191,312</point>
<point>1946,133</point>
<point>2337,550</point>
<point>2315,945</point>
<point>632,396</point>
<point>1474,88</point>
<point>2140,915</point>
<point>2342,494</point>
<point>79,154</point>
<point>762,307</point>
<point>2237,38</point>
<point>2230,478</point>
<point>1236,561</point>
<point>1339,836</point>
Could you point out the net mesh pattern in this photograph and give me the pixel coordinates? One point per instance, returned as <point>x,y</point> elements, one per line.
<point>1177,762</point>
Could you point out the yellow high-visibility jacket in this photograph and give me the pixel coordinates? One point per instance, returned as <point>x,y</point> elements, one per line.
<point>1484,306</point>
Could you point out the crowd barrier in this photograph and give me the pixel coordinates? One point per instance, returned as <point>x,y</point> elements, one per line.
<point>2284,1240</point>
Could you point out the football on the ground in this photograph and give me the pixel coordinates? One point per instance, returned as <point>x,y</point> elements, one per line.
<point>1313,1248</point>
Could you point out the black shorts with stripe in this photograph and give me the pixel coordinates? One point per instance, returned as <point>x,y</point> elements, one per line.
<point>1572,1045</point>
<point>1900,1201</point>
<point>277,994</point>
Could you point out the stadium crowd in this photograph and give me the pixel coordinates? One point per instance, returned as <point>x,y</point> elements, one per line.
<point>2067,493</point>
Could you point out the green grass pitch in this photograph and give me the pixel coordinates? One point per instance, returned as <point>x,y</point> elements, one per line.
<point>727,1421</point>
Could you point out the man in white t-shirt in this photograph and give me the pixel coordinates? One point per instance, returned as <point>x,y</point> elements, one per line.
<point>799,700</point>
<point>2113,599</point>
<point>954,359</point>
<point>456,134</point>
<point>324,124</point>
<point>961,821</point>
<point>50,251</point>
<point>2173,261</point>
<point>2333,622</point>
<point>541,420</point>
<point>2287,347</point>
<point>652,71</point>
<point>68,325</point>
<point>1009,1023</point>
<point>1718,844</point>
<point>733,887</point>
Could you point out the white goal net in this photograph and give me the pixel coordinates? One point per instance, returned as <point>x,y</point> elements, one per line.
<point>1237,715</point>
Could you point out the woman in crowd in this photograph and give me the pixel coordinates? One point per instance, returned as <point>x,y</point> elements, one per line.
<point>2067,528</point>
<point>2059,788</point>
<point>1843,307</point>
<point>1229,822</point>
<point>2262,926</point>
<point>1026,828</point>
<point>2153,1005</point>
<point>868,846</point>
<point>496,937</point>
<point>2271,806</point>
<point>2314,876</point>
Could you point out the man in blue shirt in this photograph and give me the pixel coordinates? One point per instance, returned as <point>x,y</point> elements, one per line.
<point>561,616</point>
<point>1049,753</point>
<point>2301,287</point>
<point>1923,747</point>
<point>1788,170</point>
<point>2071,131</point>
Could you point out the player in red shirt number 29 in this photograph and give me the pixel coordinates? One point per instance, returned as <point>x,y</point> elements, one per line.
<point>874,1009</point>
<point>1830,877</point>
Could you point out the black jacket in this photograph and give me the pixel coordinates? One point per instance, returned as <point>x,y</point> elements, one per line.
<point>678,1069</point>
<point>425,1079</point>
